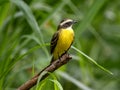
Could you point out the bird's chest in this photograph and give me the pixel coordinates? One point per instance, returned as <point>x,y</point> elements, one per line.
<point>65,38</point>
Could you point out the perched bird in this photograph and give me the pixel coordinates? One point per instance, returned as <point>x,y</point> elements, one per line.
<point>62,39</point>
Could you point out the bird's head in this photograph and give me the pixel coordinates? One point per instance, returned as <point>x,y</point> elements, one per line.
<point>66,23</point>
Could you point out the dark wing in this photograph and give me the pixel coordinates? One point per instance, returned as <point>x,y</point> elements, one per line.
<point>54,42</point>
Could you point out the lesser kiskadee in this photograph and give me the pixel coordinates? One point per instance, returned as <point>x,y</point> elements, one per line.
<point>62,39</point>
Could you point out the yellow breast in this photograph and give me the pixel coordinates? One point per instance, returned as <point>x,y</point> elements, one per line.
<point>66,37</point>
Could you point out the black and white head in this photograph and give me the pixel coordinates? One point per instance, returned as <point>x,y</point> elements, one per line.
<point>66,23</point>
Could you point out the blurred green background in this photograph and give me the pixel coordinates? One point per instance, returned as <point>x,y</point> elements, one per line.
<point>26,28</point>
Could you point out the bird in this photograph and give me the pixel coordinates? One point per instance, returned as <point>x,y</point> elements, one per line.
<point>62,39</point>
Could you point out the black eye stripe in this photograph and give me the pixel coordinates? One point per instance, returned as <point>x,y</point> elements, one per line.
<point>67,24</point>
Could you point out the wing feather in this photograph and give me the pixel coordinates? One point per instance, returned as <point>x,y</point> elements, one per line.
<point>54,42</point>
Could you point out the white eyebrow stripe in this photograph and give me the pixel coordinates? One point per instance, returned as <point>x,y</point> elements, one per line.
<point>65,22</point>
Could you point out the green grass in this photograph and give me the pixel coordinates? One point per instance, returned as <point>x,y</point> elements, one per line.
<point>26,28</point>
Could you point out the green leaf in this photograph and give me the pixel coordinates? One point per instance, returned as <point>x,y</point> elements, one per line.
<point>28,15</point>
<point>58,85</point>
<point>31,20</point>
<point>73,80</point>
<point>90,15</point>
<point>93,61</point>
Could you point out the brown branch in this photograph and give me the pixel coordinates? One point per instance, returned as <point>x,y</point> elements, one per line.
<point>50,68</point>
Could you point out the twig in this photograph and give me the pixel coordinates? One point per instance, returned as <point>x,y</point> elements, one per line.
<point>50,68</point>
